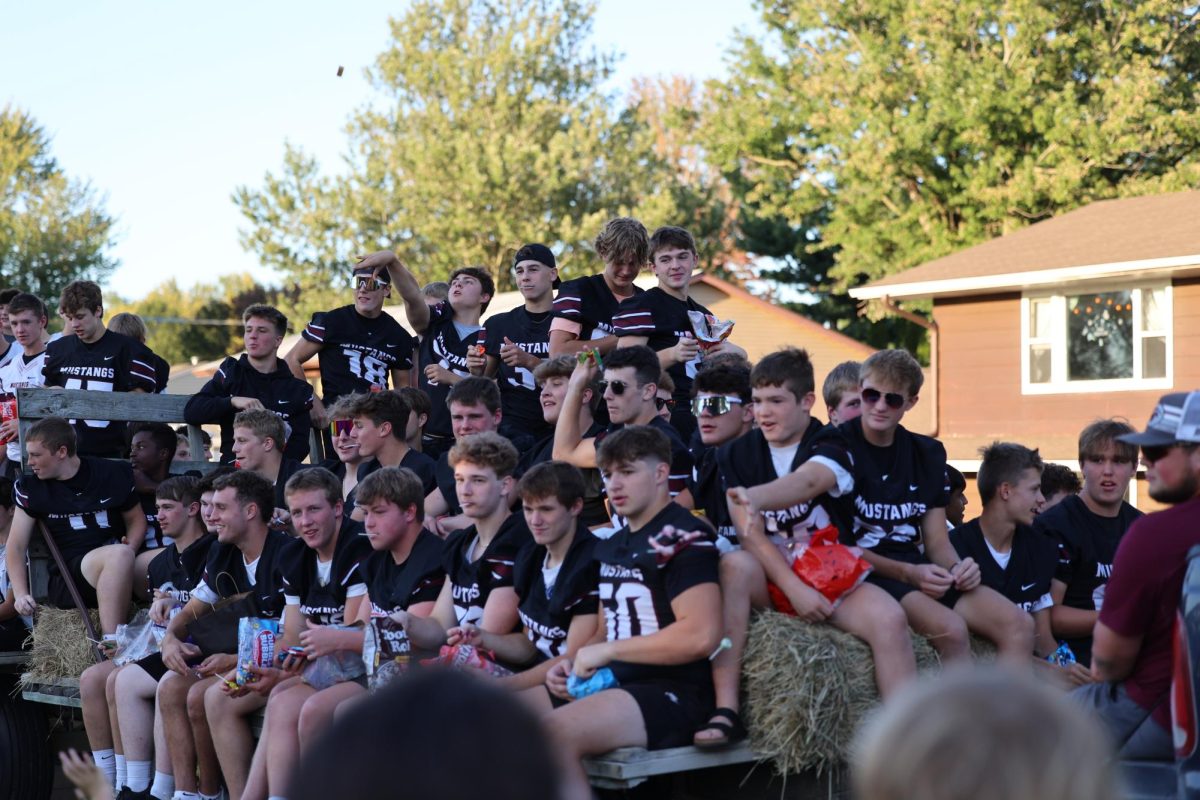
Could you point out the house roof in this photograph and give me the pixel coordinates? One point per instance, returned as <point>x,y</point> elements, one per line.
<point>1108,239</point>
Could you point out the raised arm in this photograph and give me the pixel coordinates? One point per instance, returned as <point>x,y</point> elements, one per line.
<point>569,444</point>
<point>406,284</point>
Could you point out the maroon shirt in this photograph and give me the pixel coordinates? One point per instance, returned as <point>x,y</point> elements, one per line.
<point>1142,597</point>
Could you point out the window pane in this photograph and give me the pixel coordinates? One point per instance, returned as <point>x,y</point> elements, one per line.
<point>1154,357</point>
<point>1100,336</point>
<point>1153,318</point>
<point>1039,319</point>
<point>1039,363</point>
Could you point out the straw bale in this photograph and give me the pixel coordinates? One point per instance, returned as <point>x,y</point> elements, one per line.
<point>60,645</point>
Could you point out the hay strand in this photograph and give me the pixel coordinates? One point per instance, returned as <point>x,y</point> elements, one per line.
<point>60,645</point>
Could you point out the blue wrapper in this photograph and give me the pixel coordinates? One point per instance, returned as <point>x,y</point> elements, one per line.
<point>256,646</point>
<point>1063,656</point>
<point>601,679</point>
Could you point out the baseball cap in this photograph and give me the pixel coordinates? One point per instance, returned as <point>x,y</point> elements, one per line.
<point>539,253</point>
<point>1176,418</point>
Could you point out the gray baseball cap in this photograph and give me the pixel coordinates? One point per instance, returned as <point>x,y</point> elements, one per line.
<point>1176,418</point>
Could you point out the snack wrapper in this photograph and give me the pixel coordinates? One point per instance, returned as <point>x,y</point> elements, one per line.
<point>709,330</point>
<point>592,355</point>
<point>466,656</point>
<point>601,679</point>
<point>8,410</point>
<point>1064,656</point>
<point>385,651</point>
<point>256,646</point>
<point>329,670</point>
<point>828,566</point>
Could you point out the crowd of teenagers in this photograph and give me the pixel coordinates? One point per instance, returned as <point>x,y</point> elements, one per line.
<point>587,491</point>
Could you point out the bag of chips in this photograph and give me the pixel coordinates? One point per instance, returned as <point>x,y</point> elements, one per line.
<point>600,680</point>
<point>465,656</point>
<point>333,668</point>
<point>385,651</point>
<point>709,330</point>
<point>256,646</point>
<point>828,566</point>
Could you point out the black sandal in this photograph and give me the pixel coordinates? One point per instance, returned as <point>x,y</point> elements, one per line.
<point>734,731</point>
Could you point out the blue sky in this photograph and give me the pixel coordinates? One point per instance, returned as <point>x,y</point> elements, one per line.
<point>166,107</point>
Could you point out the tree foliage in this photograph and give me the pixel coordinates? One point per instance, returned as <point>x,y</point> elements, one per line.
<point>53,229</point>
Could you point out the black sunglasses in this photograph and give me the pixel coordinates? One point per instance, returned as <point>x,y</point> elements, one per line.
<point>661,402</point>
<point>341,427</point>
<point>618,387</point>
<point>1153,453</point>
<point>893,399</point>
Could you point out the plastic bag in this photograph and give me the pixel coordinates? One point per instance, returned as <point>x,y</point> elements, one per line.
<point>828,566</point>
<point>465,656</point>
<point>138,639</point>
<point>385,653</point>
<point>256,646</point>
<point>709,330</point>
<point>601,679</point>
<point>338,667</point>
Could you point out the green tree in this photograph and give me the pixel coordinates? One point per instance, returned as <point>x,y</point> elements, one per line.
<point>908,130</point>
<point>53,229</point>
<point>493,130</point>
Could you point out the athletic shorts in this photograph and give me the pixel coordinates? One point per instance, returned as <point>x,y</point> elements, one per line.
<point>898,589</point>
<point>57,593</point>
<point>153,666</point>
<point>671,711</point>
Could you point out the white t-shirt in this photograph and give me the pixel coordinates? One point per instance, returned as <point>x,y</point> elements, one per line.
<point>781,459</point>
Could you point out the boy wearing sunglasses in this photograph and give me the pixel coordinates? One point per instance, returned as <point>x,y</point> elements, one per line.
<point>358,347</point>
<point>1088,527</point>
<point>723,412</point>
<point>1132,640</point>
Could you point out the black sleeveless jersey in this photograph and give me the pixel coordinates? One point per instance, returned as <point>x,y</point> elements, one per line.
<point>177,573</point>
<point>112,363</point>
<point>663,320</point>
<point>443,475</point>
<point>395,587</point>
<point>441,344</point>
<point>890,500</point>
<point>324,603</point>
<point>357,353</point>
<point>546,612</point>
<point>1026,579</point>
<point>519,394</point>
<point>636,591</point>
<point>225,574</point>
<point>422,465</point>
<point>589,303</point>
<point>708,490</point>
<point>85,511</point>
<point>472,582</point>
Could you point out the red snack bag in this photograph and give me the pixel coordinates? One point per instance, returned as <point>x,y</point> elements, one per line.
<point>8,409</point>
<point>827,565</point>
<point>465,656</point>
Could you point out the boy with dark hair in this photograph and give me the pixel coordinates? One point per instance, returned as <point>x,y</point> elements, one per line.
<point>151,449</point>
<point>1058,483</point>
<point>900,495</point>
<point>474,408</point>
<point>658,318</point>
<point>724,411</point>
<point>420,409</point>
<point>662,620</point>
<point>259,379</point>
<point>6,296</point>
<point>840,392</point>
<point>789,442</point>
<point>1013,559</point>
<point>555,579</point>
<point>1088,528</point>
<point>358,346</point>
<point>27,318</point>
<point>257,445</point>
<point>379,422</point>
<point>96,359</point>
<point>90,507</point>
<point>630,386</point>
<point>516,342</point>
<point>956,506</point>
<point>584,307</point>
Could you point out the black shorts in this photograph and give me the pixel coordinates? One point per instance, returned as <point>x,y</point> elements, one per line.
<point>671,711</point>
<point>57,593</point>
<point>898,589</point>
<point>153,666</point>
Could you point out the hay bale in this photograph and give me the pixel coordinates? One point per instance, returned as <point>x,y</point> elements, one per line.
<point>60,645</point>
<point>807,689</point>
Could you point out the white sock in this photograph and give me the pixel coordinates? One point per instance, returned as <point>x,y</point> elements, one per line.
<point>186,796</point>
<point>106,763</point>
<point>137,775</point>
<point>164,786</point>
<point>122,774</point>
<point>276,797</point>
<point>216,796</point>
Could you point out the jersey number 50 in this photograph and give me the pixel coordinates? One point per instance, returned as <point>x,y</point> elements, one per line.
<point>628,610</point>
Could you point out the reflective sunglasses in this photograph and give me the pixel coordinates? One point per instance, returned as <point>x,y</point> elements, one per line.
<point>661,402</point>
<point>618,387</point>
<point>341,427</point>
<point>1153,453</point>
<point>715,406</point>
<point>368,283</point>
<point>893,399</point>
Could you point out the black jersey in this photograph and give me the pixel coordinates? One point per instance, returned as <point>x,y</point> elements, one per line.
<point>894,487</point>
<point>1087,544</point>
<point>1026,578</point>
<point>595,513</point>
<point>444,478</point>
<point>287,468</point>
<point>708,490</point>
<point>322,598</point>
<point>589,303</point>
<point>154,535</point>
<point>422,465</point>
<point>225,575</point>
<point>112,363</point>
<point>472,582</point>
<point>280,392</point>
<point>636,591</point>
<point>85,511</point>
<point>357,353</point>
<point>394,587</point>
<point>177,573</point>
<point>680,476</point>
<point>547,610</point>
<point>519,395</point>
<point>441,344</point>
<point>746,461</point>
<point>663,320</point>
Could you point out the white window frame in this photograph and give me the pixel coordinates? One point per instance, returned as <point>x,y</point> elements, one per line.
<point>1059,384</point>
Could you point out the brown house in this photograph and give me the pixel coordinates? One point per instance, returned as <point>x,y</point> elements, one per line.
<point>1094,313</point>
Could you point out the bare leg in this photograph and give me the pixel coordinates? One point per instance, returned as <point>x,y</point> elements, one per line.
<point>110,697</point>
<point>944,629</point>
<point>596,724</point>
<point>317,715</point>
<point>95,704</point>
<point>207,757</point>
<point>995,617</point>
<point>872,615</point>
<point>162,753</point>
<point>172,706</point>
<point>141,582</point>
<point>135,703</point>
<point>110,570</point>
<point>283,735</point>
<point>537,700</point>
<point>235,746</point>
